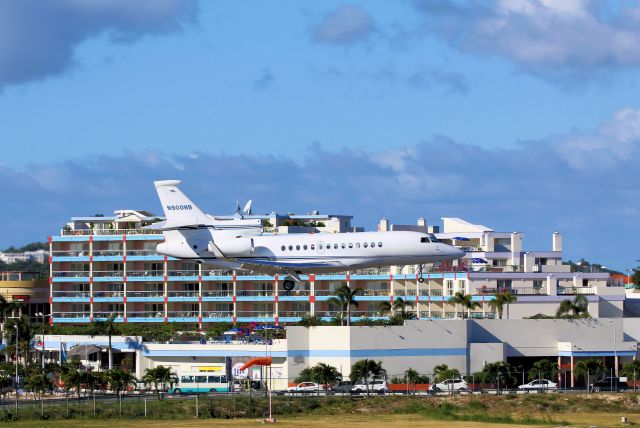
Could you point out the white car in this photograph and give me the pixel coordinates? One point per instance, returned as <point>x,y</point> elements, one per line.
<point>305,387</point>
<point>539,384</point>
<point>450,385</point>
<point>376,386</point>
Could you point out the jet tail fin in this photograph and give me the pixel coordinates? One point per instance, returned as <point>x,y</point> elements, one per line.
<point>177,207</point>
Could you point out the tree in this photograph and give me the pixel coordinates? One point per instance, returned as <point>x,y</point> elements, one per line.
<point>465,300</point>
<point>508,299</point>
<point>364,369</point>
<point>443,372</point>
<point>497,305</point>
<point>576,308</point>
<point>632,371</point>
<point>325,374</point>
<point>588,367</point>
<point>498,372</point>
<point>25,333</point>
<point>38,383</point>
<point>120,380</point>
<point>345,298</point>
<point>310,321</point>
<point>635,278</point>
<point>71,376</point>
<point>543,369</point>
<point>398,310</point>
<point>412,377</point>
<point>160,377</point>
<point>108,328</point>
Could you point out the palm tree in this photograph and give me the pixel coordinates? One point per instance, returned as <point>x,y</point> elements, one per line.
<point>544,369</point>
<point>576,308</point>
<point>442,372</point>
<point>465,300</point>
<point>325,374</point>
<point>384,308</point>
<point>508,298</point>
<point>364,369</point>
<point>587,367</point>
<point>631,371</point>
<point>497,304</point>
<point>120,380</point>
<point>108,328</point>
<point>344,299</point>
<point>411,375</point>
<point>160,377</point>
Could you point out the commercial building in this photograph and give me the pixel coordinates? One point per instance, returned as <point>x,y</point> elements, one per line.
<point>108,265</point>
<point>30,289</point>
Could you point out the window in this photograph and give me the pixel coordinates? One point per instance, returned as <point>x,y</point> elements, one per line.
<point>379,244</point>
<point>201,379</point>
<point>357,245</point>
<point>313,247</point>
<point>298,247</point>
<point>186,379</point>
<point>424,239</point>
<point>433,238</point>
<point>320,247</point>
<point>214,379</point>
<point>283,248</point>
<point>335,246</point>
<point>290,247</point>
<point>328,247</point>
<point>350,244</point>
<point>343,245</point>
<point>373,245</point>
<point>304,247</point>
<point>365,245</point>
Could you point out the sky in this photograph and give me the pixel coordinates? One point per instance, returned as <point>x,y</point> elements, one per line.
<point>522,115</point>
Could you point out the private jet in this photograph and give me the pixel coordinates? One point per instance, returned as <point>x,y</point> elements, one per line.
<point>239,243</point>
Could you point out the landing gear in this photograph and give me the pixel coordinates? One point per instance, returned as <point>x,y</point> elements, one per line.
<point>420,278</point>
<point>288,284</point>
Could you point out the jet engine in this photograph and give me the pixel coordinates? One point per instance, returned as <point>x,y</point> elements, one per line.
<point>233,247</point>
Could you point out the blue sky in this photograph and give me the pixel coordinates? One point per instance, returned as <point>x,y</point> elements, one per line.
<point>519,114</point>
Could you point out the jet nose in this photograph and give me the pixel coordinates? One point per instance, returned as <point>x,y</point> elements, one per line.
<point>454,253</point>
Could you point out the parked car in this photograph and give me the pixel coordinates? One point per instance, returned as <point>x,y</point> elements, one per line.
<point>378,386</point>
<point>343,387</point>
<point>450,385</point>
<point>609,384</point>
<point>305,387</point>
<point>538,384</point>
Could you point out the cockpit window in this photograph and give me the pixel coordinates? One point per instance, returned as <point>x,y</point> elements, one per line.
<point>433,238</point>
<point>424,239</point>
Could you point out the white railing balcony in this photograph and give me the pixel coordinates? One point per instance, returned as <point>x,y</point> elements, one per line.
<point>364,314</point>
<point>71,294</point>
<point>108,273</point>
<point>144,273</point>
<point>217,314</point>
<point>375,292</point>
<point>217,293</point>
<point>371,271</point>
<point>145,314</point>
<point>142,253</point>
<point>71,315</point>
<point>576,290</point>
<point>399,293</point>
<point>145,293</point>
<point>183,314</point>
<point>529,291</point>
<point>292,313</point>
<point>103,253</point>
<point>98,293</point>
<point>109,232</point>
<point>293,293</point>
<point>69,253</point>
<point>327,314</point>
<point>217,273</point>
<point>183,273</point>
<point>183,293</point>
<point>107,314</point>
<point>263,293</point>
<point>432,293</point>
<point>254,314</point>
<point>70,274</point>
<point>325,293</point>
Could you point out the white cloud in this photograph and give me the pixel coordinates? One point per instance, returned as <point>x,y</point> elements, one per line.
<point>346,25</point>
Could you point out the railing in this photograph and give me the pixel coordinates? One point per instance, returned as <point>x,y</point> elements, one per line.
<point>399,293</point>
<point>371,271</point>
<point>145,314</point>
<point>328,314</point>
<point>375,292</point>
<point>217,314</point>
<point>217,293</point>
<point>75,253</point>
<point>107,314</point>
<point>294,293</point>
<point>432,293</point>
<point>325,293</point>
<point>143,273</point>
<point>364,314</point>
<point>410,292</point>
<point>142,253</point>
<point>529,291</point>
<point>71,294</point>
<point>106,273</point>
<point>576,290</point>
<point>107,253</point>
<point>182,314</point>
<point>254,314</point>
<point>292,313</point>
<point>108,293</point>
<point>188,293</point>
<point>152,293</point>
<point>255,293</point>
<point>217,273</point>
<point>70,274</point>
<point>183,273</point>
<point>110,232</point>
<point>71,315</point>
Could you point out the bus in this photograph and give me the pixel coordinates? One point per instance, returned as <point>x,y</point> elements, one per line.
<point>199,382</point>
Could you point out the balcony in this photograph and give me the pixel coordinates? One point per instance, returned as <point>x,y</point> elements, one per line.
<point>152,293</point>
<point>182,314</point>
<point>142,253</point>
<point>293,314</point>
<point>183,293</point>
<point>183,273</point>
<point>432,293</point>
<point>529,291</point>
<point>217,314</point>
<point>70,274</point>
<point>375,292</point>
<point>254,314</point>
<point>79,232</point>
<point>80,294</point>
<point>107,253</point>
<point>254,293</point>
<point>217,293</point>
<point>145,314</point>
<point>106,315</point>
<point>108,273</point>
<point>71,315</point>
<point>106,294</point>
<point>75,253</point>
<point>325,293</point>
<point>294,293</point>
<point>576,290</point>
<point>144,273</point>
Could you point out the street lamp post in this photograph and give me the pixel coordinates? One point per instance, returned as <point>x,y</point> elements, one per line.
<point>17,347</point>
<point>43,316</point>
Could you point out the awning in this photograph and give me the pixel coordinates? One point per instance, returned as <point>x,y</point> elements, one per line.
<point>83,350</point>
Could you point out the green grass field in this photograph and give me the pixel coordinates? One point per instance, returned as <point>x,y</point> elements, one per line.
<point>601,410</point>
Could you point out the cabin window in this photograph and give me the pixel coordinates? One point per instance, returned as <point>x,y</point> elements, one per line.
<point>290,247</point>
<point>424,239</point>
<point>313,247</point>
<point>344,245</point>
<point>283,248</point>
<point>350,244</point>
<point>304,247</point>
<point>373,245</point>
<point>379,244</point>
<point>297,247</point>
<point>320,247</point>
<point>365,245</point>
<point>357,245</point>
<point>335,246</point>
<point>433,238</point>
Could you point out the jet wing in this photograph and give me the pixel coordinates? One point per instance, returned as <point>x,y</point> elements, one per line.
<point>272,267</point>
